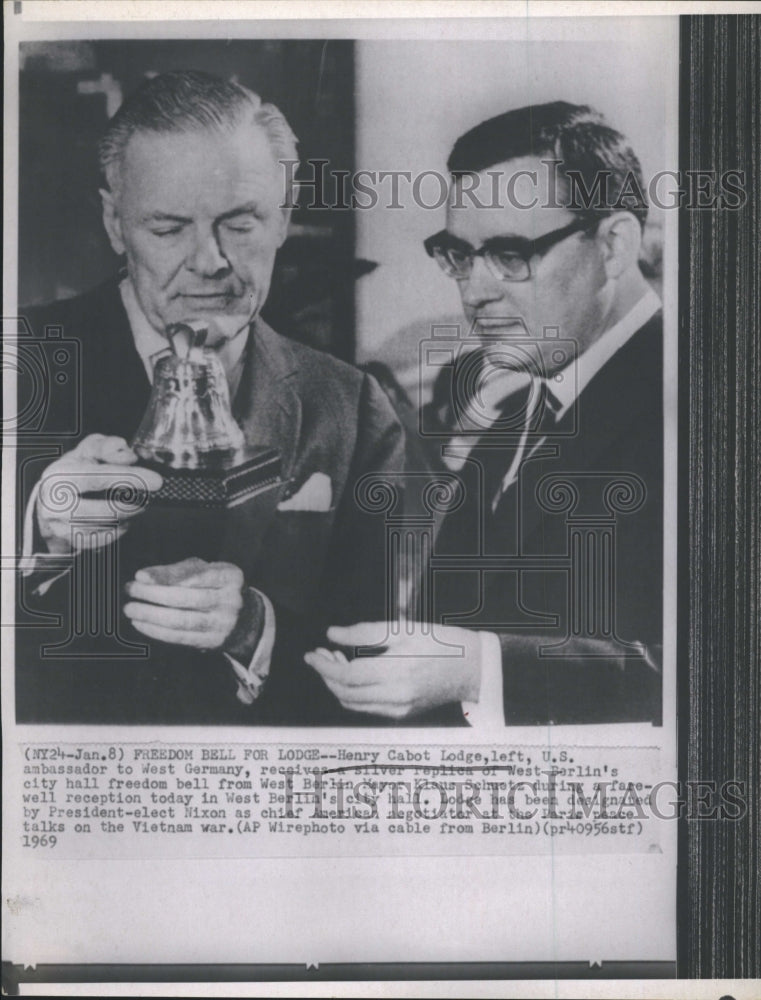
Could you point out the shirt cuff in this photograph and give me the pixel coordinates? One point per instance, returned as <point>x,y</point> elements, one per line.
<point>51,566</point>
<point>251,679</point>
<point>489,711</point>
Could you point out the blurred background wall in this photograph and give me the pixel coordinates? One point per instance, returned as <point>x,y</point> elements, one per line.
<point>413,101</point>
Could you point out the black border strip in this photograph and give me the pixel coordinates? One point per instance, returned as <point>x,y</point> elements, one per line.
<point>349,972</point>
<point>719,710</point>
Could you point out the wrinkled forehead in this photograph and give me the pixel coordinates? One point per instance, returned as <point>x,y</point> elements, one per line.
<point>200,155</point>
<point>520,197</point>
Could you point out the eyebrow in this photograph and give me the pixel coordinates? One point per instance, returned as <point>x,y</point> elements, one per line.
<point>492,243</point>
<point>164,217</point>
<point>250,208</point>
<point>495,242</point>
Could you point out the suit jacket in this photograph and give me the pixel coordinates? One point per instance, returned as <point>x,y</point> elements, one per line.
<point>578,610</point>
<point>317,568</point>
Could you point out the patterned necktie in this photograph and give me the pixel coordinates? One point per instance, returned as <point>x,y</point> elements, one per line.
<point>541,409</point>
<point>155,358</point>
<point>535,416</point>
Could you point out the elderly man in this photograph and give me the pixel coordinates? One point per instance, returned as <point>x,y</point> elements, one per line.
<point>195,203</point>
<point>553,562</point>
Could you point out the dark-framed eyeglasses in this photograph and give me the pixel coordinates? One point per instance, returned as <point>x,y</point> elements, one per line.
<point>507,257</point>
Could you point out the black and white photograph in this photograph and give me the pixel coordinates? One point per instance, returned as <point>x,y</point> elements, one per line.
<point>475,504</point>
<point>350,399</point>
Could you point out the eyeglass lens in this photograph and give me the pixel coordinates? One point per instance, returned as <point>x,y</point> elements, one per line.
<point>458,262</point>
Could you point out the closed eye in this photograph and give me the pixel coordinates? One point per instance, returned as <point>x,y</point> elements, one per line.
<point>167,231</point>
<point>241,225</point>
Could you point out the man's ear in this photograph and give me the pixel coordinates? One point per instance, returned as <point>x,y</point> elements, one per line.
<point>112,221</point>
<point>285,221</point>
<point>620,238</point>
<point>286,210</point>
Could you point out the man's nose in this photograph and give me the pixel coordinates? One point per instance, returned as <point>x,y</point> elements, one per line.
<point>206,256</point>
<point>481,286</point>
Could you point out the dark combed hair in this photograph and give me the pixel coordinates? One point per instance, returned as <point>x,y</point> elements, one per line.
<point>190,100</point>
<point>589,151</point>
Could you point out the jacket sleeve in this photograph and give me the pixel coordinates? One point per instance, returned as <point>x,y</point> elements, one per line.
<point>594,681</point>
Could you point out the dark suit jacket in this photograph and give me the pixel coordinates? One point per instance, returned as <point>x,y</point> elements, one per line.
<point>317,568</point>
<point>568,656</point>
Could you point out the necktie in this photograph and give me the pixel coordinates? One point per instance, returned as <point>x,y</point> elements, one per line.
<point>500,404</point>
<point>155,358</point>
<point>540,407</point>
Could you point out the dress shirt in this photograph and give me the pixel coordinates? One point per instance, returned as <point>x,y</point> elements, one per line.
<point>489,711</point>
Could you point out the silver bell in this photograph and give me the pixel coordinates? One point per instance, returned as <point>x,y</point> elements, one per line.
<point>188,423</point>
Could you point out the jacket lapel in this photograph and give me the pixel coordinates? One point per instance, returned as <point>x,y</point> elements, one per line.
<point>266,404</point>
<point>620,404</point>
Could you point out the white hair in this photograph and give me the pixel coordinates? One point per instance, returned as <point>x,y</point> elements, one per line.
<point>190,100</point>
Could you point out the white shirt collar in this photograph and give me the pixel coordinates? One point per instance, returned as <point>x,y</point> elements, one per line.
<point>149,342</point>
<point>576,376</point>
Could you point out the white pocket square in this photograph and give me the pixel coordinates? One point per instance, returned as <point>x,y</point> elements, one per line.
<point>315,494</point>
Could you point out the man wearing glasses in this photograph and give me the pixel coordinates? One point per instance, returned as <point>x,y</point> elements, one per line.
<point>546,577</point>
